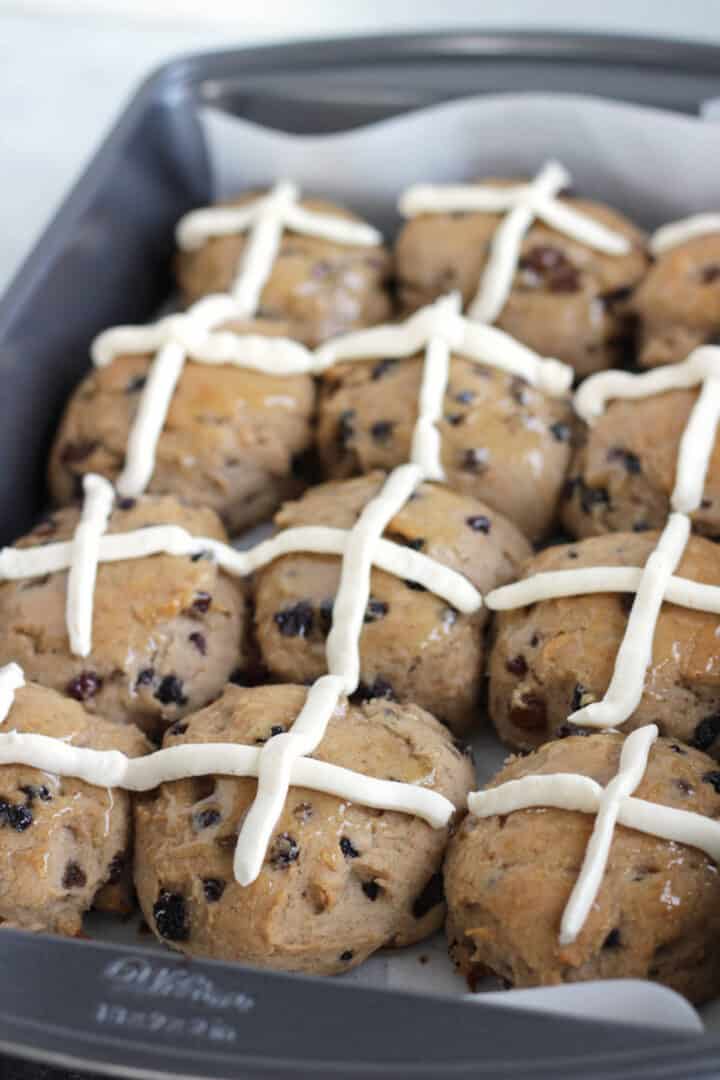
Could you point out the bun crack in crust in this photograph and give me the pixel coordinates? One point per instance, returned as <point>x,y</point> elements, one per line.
<point>413,647</point>
<point>61,840</point>
<point>339,880</point>
<point>167,630</point>
<point>657,912</point>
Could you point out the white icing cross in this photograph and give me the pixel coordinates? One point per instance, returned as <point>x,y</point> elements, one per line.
<point>113,769</point>
<point>265,219</point>
<point>612,805</point>
<point>179,338</point>
<point>680,232</point>
<point>11,679</point>
<point>656,582</point>
<point>440,329</point>
<point>174,340</point>
<point>91,547</point>
<point>524,203</point>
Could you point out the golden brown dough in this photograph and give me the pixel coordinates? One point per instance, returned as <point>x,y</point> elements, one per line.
<point>657,914</point>
<point>414,646</point>
<point>558,655</point>
<point>678,303</point>
<point>339,880</point>
<point>317,288</point>
<point>167,630</point>
<point>623,475</point>
<point>234,440</point>
<point>502,440</point>
<point>567,301</point>
<point>61,840</point>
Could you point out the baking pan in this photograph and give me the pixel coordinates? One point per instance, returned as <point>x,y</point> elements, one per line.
<point>105,259</point>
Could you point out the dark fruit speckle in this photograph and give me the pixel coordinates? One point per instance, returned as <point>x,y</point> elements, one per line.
<point>170,914</point>
<point>205,819</point>
<point>479,523</point>
<point>706,732</point>
<point>84,686</point>
<point>170,691</point>
<point>348,848</point>
<point>74,876</point>
<point>284,851</point>
<point>213,889</point>
<point>714,779</point>
<point>295,621</point>
<point>517,665</point>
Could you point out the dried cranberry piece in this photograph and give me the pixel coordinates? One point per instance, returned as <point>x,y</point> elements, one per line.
<point>84,686</point>
<point>517,665</point>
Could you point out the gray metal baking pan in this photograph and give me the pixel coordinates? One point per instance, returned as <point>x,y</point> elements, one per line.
<point>105,259</point>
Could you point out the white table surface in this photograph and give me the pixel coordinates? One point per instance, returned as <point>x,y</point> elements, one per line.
<point>68,66</point>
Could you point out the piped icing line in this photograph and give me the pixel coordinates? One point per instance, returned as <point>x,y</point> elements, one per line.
<point>84,556</point>
<point>19,563</point>
<point>523,204</point>
<point>11,680</point>
<point>625,691</point>
<point>701,368</point>
<point>353,592</point>
<point>592,397</point>
<point>502,263</point>
<point>265,220</point>
<point>676,233</point>
<point>633,763</point>
<point>652,585</point>
<point>696,447</point>
<point>343,659</point>
<point>614,804</point>
<point>556,584</point>
<point>443,321</point>
<point>179,338</point>
<point>113,769</point>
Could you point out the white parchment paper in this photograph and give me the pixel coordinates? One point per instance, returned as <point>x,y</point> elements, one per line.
<point>655,166</point>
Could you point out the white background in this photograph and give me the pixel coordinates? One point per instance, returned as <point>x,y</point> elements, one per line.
<point>67,66</point>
